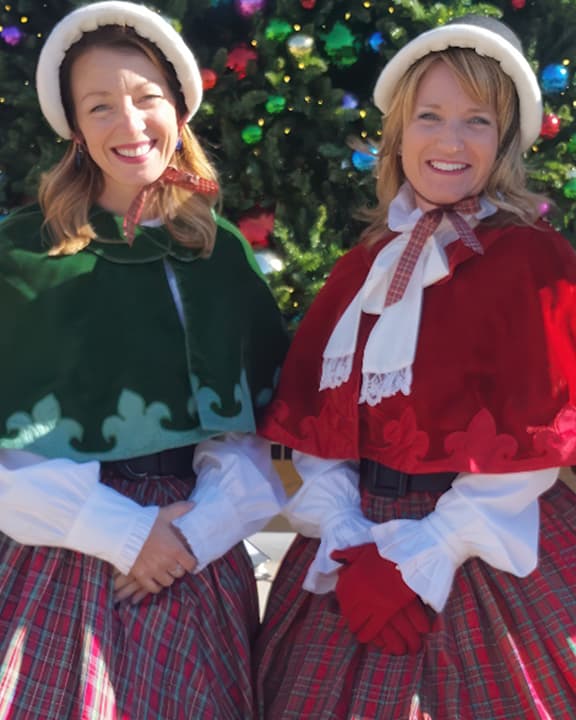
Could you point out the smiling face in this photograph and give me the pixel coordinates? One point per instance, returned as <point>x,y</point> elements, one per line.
<point>126,116</point>
<point>449,141</point>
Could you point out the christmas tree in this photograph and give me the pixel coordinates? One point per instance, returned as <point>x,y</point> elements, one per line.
<point>287,112</point>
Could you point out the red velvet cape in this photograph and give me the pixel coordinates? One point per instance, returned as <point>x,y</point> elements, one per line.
<point>494,376</point>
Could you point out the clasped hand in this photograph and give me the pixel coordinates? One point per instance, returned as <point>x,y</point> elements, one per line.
<point>164,557</point>
<point>376,602</point>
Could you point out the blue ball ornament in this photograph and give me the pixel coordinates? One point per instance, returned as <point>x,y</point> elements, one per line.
<point>375,41</point>
<point>364,161</point>
<point>554,78</point>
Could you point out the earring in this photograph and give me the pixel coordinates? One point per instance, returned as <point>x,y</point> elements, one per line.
<point>79,156</point>
<point>179,144</point>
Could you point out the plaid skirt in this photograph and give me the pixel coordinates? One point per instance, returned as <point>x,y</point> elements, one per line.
<point>504,648</point>
<point>67,652</point>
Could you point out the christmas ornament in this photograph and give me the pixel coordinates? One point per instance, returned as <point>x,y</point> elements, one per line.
<point>256,226</point>
<point>349,101</point>
<point>543,208</point>
<point>209,78</point>
<point>308,4</point>
<point>247,8</point>
<point>275,104</point>
<point>300,45</point>
<point>364,161</point>
<point>554,78</point>
<point>11,35</point>
<point>278,30</point>
<point>238,59</point>
<point>550,126</point>
<point>251,134</point>
<point>518,4</point>
<point>341,46</point>
<point>375,41</point>
<point>569,189</point>
<point>268,261</point>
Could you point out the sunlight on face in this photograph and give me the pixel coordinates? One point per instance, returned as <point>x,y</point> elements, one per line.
<point>449,144</point>
<point>126,117</point>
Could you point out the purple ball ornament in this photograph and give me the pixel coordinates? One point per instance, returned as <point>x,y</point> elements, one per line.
<point>349,101</point>
<point>247,8</point>
<point>12,35</point>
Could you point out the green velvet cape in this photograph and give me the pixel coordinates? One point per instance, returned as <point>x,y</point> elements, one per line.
<point>95,361</point>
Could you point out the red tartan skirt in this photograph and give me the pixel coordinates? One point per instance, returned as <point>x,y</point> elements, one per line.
<point>67,652</point>
<point>504,648</point>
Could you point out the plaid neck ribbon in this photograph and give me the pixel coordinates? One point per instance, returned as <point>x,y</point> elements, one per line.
<point>426,226</point>
<point>170,176</point>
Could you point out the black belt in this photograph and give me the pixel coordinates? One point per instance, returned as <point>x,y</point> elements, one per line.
<point>378,479</point>
<point>168,463</point>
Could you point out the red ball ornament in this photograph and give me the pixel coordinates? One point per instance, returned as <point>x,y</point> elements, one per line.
<point>518,4</point>
<point>550,126</point>
<point>238,59</point>
<point>209,78</point>
<point>308,4</point>
<point>256,226</point>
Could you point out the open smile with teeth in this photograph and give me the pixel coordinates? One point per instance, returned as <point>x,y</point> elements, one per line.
<point>134,150</point>
<point>447,166</point>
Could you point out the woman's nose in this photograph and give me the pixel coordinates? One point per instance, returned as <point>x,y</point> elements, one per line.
<point>452,136</point>
<point>133,118</point>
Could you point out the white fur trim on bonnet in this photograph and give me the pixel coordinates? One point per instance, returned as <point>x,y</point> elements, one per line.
<point>486,36</point>
<point>146,23</point>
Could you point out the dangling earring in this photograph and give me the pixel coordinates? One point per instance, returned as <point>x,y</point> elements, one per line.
<point>179,144</point>
<point>79,156</point>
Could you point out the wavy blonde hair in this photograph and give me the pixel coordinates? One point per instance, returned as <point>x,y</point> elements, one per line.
<point>485,82</point>
<point>67,192</point>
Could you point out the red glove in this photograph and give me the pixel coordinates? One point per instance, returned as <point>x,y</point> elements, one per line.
<point>376,602</point>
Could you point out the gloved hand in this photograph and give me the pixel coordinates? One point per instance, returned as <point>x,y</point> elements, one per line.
<point>376,602</point>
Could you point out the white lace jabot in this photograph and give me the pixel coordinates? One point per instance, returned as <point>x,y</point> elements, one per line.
<point>391,346</point>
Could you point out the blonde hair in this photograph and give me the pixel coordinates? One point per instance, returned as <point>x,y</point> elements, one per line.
<point>484,81</point>
<point>69,189</point>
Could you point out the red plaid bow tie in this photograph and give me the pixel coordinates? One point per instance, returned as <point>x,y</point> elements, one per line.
<point>170,176</point>
<point>425,226</point>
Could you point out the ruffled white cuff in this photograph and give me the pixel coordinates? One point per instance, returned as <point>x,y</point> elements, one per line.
<point>237,492</point>
<point>327,506</point>
<point>111,527</point>
<point>61,503</point>
<point>347,529</point>
<point>493,517</point>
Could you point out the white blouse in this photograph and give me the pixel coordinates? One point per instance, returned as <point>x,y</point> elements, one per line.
<point>61,503</point>
<point>492,517</point>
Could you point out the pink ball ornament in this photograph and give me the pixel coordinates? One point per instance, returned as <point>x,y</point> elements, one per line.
<point>544,208</point>
<point>308,4</point>
<point>518,4</point>
<point>247,8</point>
<point>550,126</point>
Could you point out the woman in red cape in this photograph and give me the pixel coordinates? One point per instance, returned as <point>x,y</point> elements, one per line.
<point>429,397</point>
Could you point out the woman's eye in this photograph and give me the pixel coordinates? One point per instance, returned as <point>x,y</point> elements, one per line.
<point>428,116</point>
<point>480,120</point>
<point>99,108</point>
